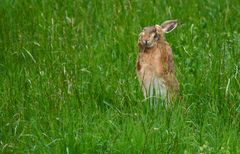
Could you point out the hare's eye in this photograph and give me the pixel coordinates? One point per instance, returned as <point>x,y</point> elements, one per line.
<point>156,36</point>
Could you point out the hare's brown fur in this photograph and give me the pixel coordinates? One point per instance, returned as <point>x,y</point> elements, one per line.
<point>155,65</point>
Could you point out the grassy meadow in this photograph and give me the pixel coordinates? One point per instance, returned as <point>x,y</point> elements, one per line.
<point>68,81</point>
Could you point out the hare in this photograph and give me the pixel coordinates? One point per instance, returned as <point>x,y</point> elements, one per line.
<point>155,66</point>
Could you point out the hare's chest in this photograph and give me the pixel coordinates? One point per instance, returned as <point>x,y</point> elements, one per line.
<point>150,65</point>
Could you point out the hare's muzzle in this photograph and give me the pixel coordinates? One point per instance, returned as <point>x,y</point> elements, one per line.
<point>146,42</point>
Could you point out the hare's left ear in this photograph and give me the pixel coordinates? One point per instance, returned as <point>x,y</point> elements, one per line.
<point>169,26</point>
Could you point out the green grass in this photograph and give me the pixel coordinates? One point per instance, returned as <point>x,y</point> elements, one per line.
<point>68,81</point>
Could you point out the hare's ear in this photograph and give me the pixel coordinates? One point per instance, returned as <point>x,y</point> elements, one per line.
<point>169,25</point>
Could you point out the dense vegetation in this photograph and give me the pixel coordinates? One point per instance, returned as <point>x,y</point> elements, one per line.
<point>68,81</point>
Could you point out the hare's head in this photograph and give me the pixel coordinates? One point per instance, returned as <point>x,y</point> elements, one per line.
<point>150,36</point>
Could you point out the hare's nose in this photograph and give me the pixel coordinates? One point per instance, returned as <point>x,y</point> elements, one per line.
<point>146,42</point>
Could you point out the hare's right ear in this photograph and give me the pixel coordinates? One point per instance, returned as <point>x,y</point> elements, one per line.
<point>169,26</point>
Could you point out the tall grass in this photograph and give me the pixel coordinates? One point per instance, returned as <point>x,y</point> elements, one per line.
<point>68,82</point>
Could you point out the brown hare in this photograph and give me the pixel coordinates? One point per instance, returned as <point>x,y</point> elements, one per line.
<point>155,66</point>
